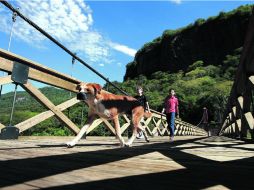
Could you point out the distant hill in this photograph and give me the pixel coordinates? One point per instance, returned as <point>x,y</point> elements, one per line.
<point>208,40</point>
<point>24,100</point>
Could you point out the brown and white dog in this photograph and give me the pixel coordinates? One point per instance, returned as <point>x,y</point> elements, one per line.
<point>109,106</point>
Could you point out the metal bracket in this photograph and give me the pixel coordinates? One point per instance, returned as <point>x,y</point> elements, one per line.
<point>9,133</point>
<point>20,73</point>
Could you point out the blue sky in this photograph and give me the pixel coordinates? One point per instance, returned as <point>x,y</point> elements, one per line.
<point>105,34</point>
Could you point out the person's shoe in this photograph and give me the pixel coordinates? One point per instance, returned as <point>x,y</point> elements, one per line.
<point>140,135</point>
<point>171,139</point>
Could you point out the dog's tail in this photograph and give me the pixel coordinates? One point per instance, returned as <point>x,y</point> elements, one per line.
<point>147,114</point>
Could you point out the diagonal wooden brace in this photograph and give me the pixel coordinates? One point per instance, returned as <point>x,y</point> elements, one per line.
<point>27,124</point>
<point>1,126</point>
<point>48,104</point>
<point>109,126</point>
<point>5,80</point>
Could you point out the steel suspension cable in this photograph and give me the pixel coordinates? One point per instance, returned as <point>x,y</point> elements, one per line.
<point>5,3</point>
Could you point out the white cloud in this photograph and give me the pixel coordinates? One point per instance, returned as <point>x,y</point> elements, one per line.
<point>69,21</point>
<point>176,1</point>
<point>122,48</point>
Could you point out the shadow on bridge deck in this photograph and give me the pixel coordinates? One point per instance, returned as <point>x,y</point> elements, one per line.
<point>187,163</point>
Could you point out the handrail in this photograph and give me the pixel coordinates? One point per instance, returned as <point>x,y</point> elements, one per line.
<point>32,64</point>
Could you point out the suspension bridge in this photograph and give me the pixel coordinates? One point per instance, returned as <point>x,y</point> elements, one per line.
<point>193,160</point>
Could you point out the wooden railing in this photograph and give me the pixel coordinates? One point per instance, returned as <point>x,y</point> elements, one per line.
<point>238,120</point>
<point>156,125</point>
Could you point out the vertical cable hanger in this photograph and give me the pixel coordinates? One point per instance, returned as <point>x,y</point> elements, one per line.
<point>14,18</point>
<point>11,132</point>
<point>82,109</point>
<point>72,67</point>
<point>13,104</point>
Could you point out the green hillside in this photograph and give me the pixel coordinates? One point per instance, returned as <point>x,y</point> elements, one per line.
<point>209,40</point>
<point>199,86</point>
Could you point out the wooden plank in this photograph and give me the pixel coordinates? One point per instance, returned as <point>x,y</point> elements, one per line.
<point>126,118</point>
<point>179,129</point>
<point>32,64</point>
<point>44,115</point>
<point>5,80</point>
<point>145,125</point>
<point>48,104</point>
<point>223,127</point>
<point>109,126</point>
<point>158,115</point>
<point>239,124</point>
<point>1,126</point>
<point>156,128</point>
<point>230,116</point>
<point>95,124</point>
<point>240,100</point>
<point>41,76</point>
<point>98,163</point>
<point>249,119</point>
<point>233,127</point>
<point>124,127</point>
<point>161,126</point>
<point>251,78</point>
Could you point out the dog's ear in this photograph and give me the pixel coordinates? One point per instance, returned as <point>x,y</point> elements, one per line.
<point>82,84</point>
<point>97,88</point>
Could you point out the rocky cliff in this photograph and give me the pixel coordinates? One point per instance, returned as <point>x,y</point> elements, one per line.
<point>208,40</point>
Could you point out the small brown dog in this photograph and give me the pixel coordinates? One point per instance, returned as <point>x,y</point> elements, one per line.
<point>109,106</point>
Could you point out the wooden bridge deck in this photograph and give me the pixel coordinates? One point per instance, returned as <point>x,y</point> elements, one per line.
<point>98,163</point>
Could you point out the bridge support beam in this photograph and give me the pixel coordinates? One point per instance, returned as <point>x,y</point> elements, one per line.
<point>48,104</point>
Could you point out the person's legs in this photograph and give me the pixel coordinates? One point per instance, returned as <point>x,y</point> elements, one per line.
<point>140,134</point>
<point>172,125</point>
<point>168,116</point>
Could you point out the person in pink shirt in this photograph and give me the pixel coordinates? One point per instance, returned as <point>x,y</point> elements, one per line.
<point>171,108</point>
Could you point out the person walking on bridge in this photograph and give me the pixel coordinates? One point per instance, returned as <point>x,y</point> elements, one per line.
<point>171,108</point>
<point>143,101</point>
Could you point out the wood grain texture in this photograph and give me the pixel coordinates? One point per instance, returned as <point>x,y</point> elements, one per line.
<point>99,163</point>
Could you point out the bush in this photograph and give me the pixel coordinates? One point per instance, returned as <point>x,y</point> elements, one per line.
<point>199,22</point>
